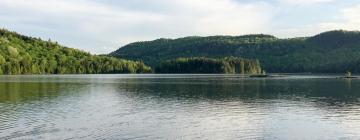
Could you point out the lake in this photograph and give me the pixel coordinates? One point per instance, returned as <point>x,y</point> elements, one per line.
<point>179,107</point>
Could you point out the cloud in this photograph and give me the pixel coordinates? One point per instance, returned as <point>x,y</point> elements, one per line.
<point>210,17</point>
<point>346,19</point>
<point>94,25</point>
<point>304,2</point>
<point>86,24</point>
<point>349,20</point>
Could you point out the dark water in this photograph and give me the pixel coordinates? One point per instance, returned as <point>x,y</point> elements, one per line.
<point>178,107</point>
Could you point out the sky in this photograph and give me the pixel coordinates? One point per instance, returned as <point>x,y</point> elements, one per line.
<point>102,26</point>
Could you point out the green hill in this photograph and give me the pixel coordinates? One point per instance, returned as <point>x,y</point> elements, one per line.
<point>26,55</point>
<point>333,51</point>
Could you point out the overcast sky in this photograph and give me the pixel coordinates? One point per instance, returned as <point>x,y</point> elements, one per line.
<point>102,26</point>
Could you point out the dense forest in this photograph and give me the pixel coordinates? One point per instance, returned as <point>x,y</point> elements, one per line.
<point>26,55</point>
<point>330,52</point>
<point>229,65</point>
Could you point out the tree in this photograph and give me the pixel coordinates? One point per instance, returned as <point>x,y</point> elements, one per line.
<point>13,51</point>
<point>2,60</point>
<point>209,65</point>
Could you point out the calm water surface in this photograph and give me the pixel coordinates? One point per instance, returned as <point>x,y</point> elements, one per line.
<point>178,107</point>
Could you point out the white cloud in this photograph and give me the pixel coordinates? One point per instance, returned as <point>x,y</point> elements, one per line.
<point>88,24</point>
<point>98,23</point>
<point>304,2</point>
<point>210,17</point>
<point>350,20</point>
<point>346,19</point>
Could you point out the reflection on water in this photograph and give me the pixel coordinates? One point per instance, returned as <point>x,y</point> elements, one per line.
<point>178,107</point>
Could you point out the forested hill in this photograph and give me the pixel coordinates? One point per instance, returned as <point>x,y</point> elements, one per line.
<point>333,51</point>
<point>26,55</point>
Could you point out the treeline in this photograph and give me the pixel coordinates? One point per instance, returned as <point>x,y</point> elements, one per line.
<point>26,55</point>
<point>228,65</point>
<point>329,52</point>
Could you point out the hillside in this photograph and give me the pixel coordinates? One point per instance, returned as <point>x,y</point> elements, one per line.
<point>333,51</point>
<point>21,54</point>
